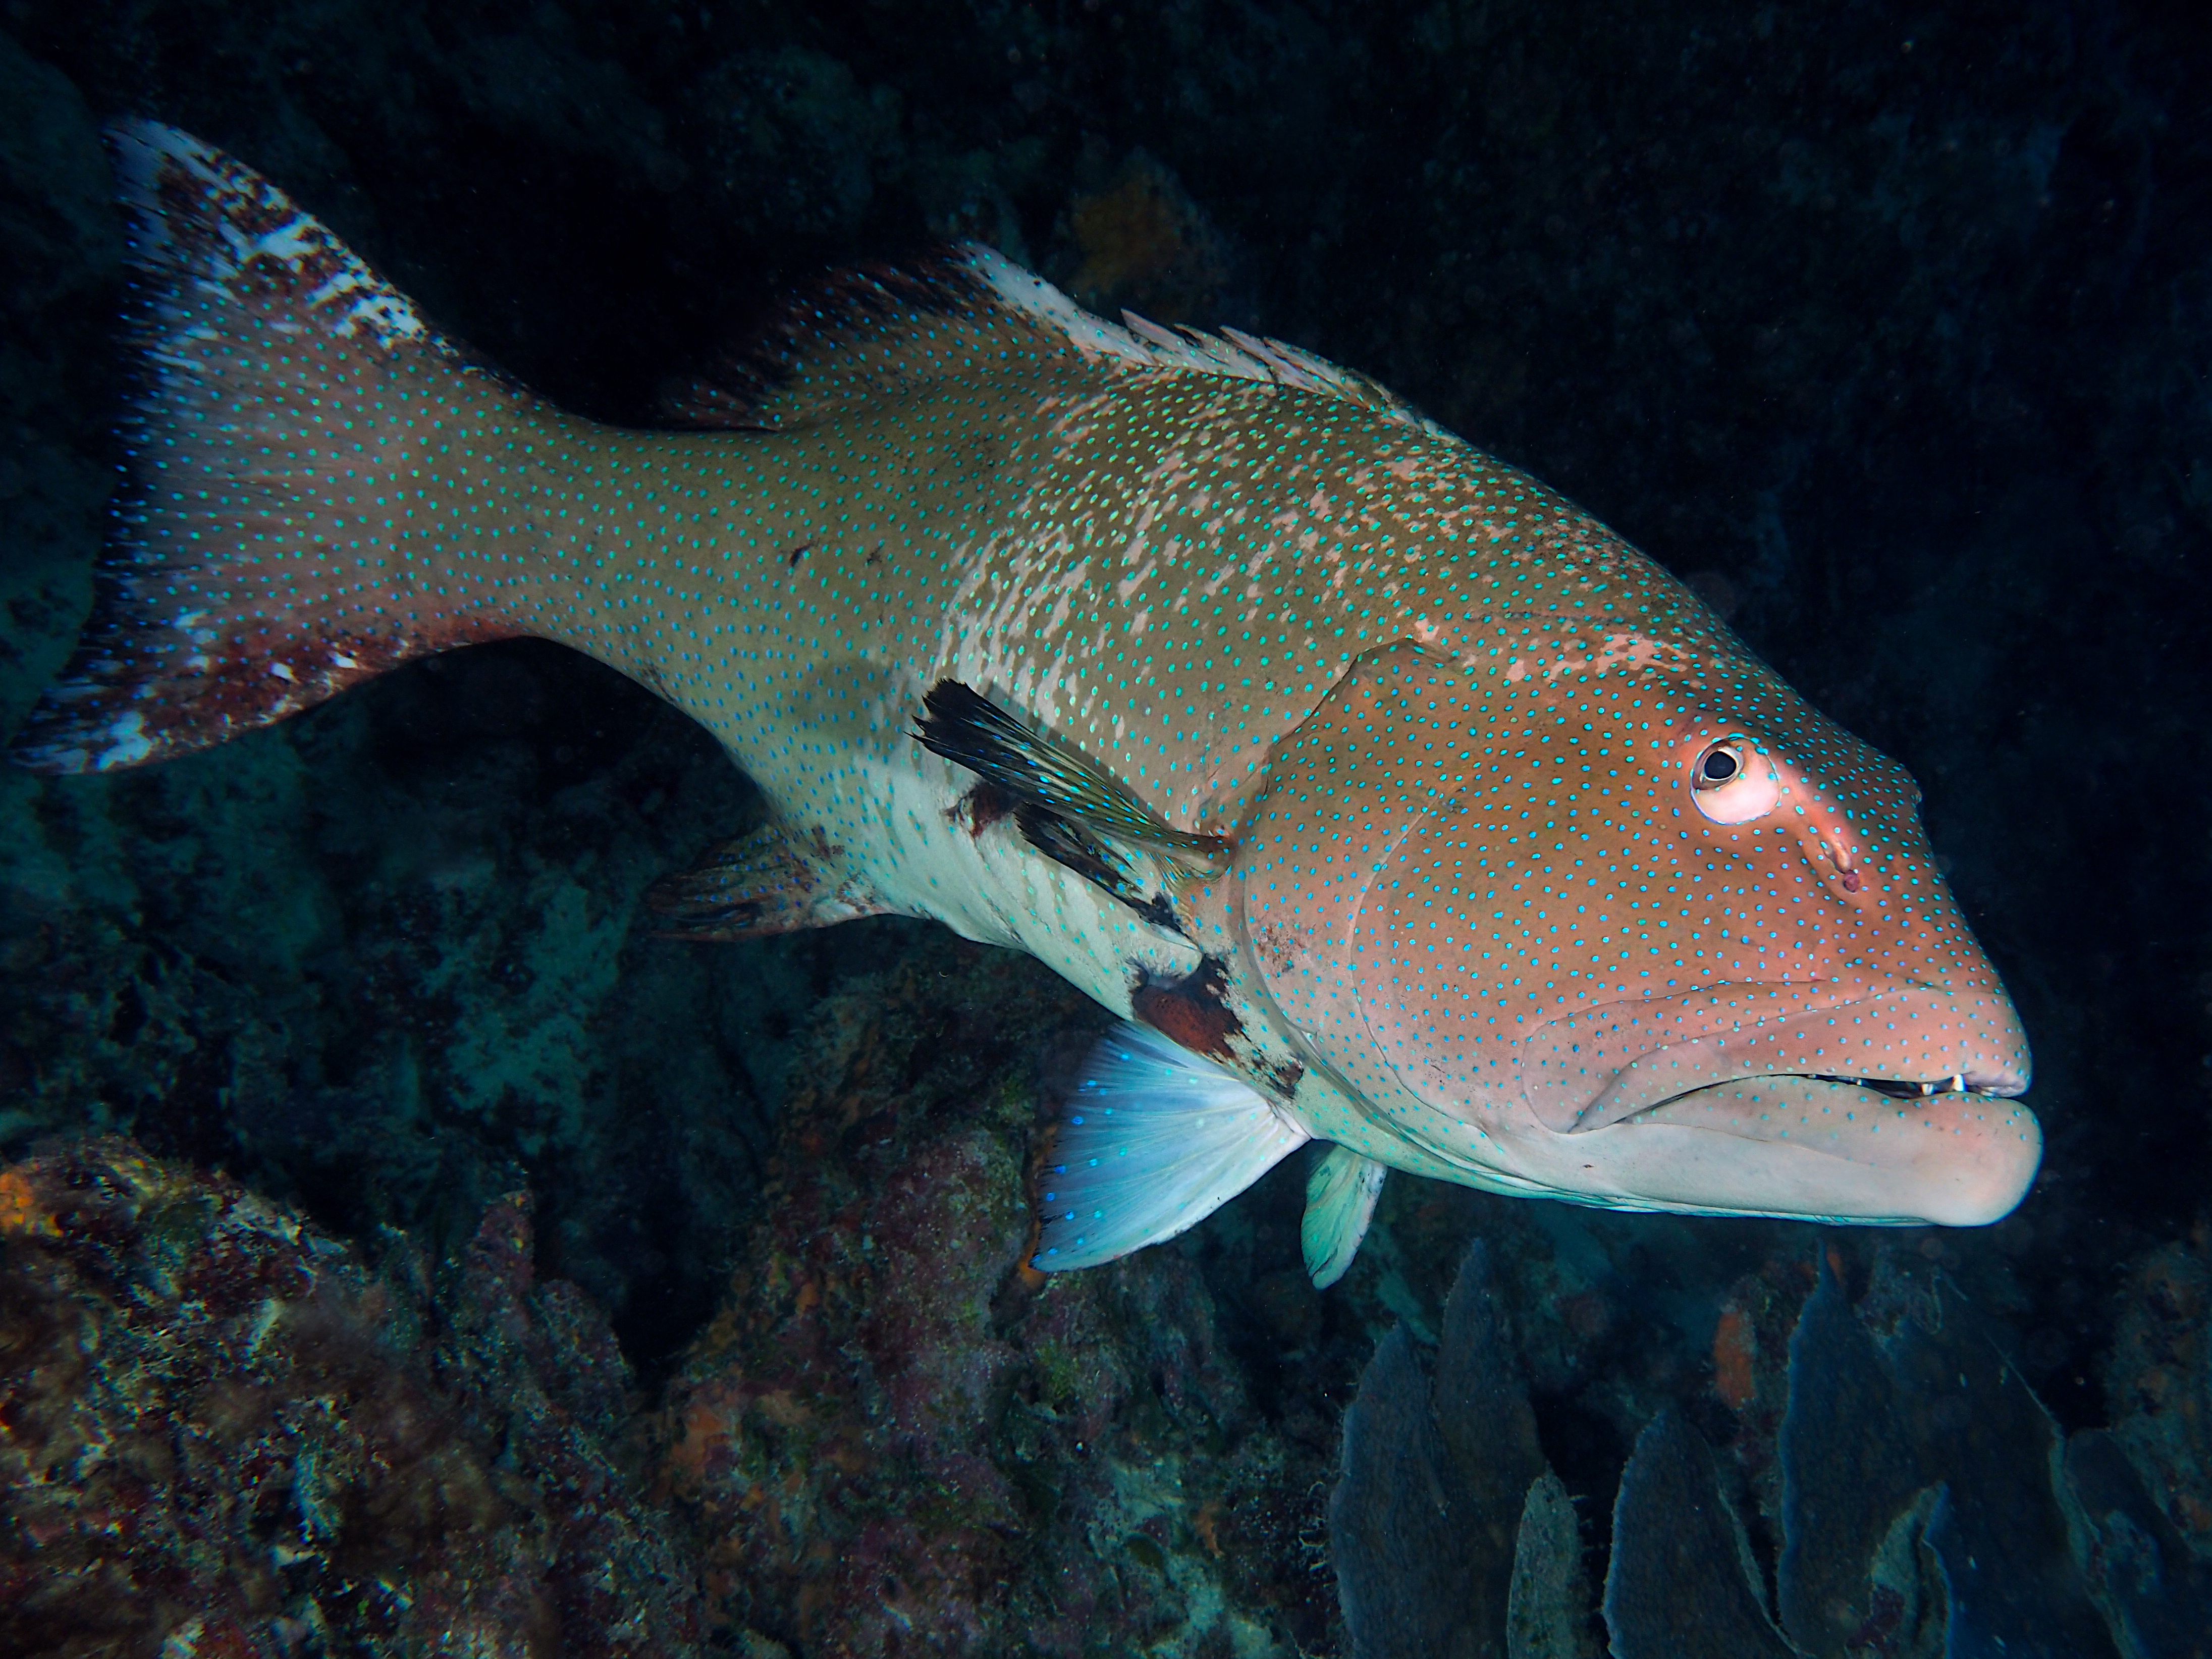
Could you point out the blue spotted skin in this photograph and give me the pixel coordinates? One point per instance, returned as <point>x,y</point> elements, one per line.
<point>1475,923</point>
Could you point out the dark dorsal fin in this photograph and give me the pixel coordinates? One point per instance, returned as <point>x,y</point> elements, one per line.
<point>969,730</point>
<point>966,312</point>
<point>858,337</point>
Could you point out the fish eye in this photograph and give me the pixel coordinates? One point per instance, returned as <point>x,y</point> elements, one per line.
<point>1733,783</point>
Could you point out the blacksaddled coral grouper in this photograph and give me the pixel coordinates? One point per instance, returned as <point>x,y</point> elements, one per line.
<point>1392,800</point>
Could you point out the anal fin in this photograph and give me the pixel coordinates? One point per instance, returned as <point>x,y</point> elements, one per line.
<point>772,881</point>
<point>1341,1196</point>
<point>1155,1140</point>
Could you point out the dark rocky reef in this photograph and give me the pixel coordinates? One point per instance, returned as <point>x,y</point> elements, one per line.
<point>895,1437</point>
<point>227,1430</point>
<point>898,1436</point>
<point>1913,1498</point>
<point>221,1433</point>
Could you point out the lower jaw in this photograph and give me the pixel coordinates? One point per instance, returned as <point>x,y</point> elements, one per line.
<point>1805,1146</point>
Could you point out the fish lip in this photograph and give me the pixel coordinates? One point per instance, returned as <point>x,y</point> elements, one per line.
<point>1821,1150</point>
<point>1714,1010</point>
<point>1788,1043</point>
<point>1904,1092</point>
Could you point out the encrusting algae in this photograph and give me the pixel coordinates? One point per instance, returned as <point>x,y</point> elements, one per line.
<point>219,1431</point>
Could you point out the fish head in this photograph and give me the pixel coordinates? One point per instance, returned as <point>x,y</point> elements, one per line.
<point>1652,934</point>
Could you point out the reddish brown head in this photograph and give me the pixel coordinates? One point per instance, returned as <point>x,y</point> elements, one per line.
<point>1647,937</point>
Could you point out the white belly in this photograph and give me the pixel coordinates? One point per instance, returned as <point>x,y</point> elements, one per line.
<point>903,827</point>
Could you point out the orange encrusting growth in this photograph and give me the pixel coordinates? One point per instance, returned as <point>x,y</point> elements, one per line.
<point>1735,1353</point>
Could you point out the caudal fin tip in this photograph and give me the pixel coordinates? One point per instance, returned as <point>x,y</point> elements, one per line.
<point>74,729</point>
<point>199,215</point>
<point>139,132</point>
<point>141,151</point>
<point>137,145</point>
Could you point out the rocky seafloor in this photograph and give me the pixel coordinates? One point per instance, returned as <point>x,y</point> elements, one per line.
<point>404,1250</point>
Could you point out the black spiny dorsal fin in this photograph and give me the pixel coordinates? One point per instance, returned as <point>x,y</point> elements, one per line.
<point>969,730</point>
<point>858,339</point>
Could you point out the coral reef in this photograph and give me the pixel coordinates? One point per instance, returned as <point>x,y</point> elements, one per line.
<point>2158,1377</point>
<point>897,1436</point>
<point>1423,1526</point>
<point>1140,241</point>
<point>2155,1594</point>
<point>1678,1582</point>
<point>1922,1502</point>
<point>224,1435</point>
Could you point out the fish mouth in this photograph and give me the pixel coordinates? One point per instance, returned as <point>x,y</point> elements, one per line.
<point>1955,1084</point>
<point>1867,1100</point>
<point>1885,1042</point>
<point>1889,1088</point>
<point>1825,1148</point>
<point>1872,1101</point>
<point>1624,1102</point>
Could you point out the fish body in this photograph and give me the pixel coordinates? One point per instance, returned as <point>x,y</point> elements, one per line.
<point>1394,800</point>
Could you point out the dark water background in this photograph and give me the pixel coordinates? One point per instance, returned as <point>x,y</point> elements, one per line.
<point>1888,327</point>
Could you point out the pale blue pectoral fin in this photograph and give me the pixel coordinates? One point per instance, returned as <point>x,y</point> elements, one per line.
<point>1155,1139</point>
<point>1341,1196</point>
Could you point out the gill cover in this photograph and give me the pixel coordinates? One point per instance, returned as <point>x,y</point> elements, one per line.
<point>1387,753</point>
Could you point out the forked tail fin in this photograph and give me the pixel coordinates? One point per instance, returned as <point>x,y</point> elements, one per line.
<point>319,487</point>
